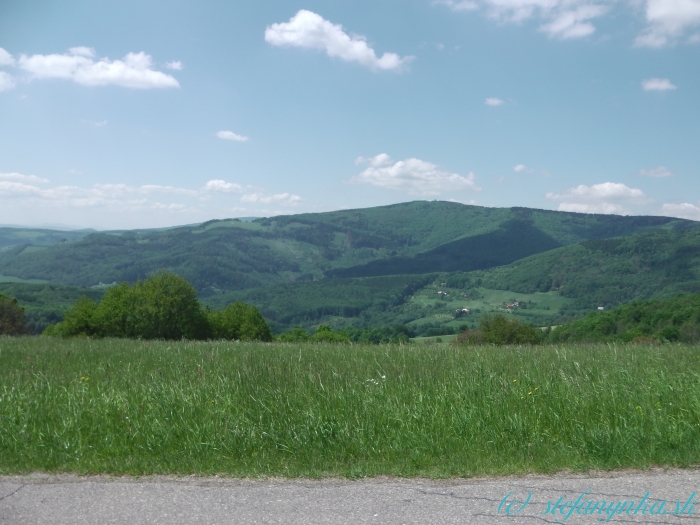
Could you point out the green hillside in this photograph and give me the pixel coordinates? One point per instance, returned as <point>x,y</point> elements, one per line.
<point>38,237</point>
<point>676,319</point>
<point>410,238</point>
<point>604,273</point>
<point>44,304</point>
<point>550,288</point>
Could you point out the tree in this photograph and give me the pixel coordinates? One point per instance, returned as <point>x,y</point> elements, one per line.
<point>325,334</point>
<point>165,306</point>
<point>499,330</point>
<point>77,321</point>
<point>239,321</point>
<point>12,321</point>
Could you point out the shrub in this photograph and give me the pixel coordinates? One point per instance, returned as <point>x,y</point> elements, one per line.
<point>499,330</point>
<point>164,306</point>
<point>325,334</point>
<point>12,321</point>
<point>239,321</point>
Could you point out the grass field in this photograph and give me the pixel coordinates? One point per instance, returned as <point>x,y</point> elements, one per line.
<point>237,409</point>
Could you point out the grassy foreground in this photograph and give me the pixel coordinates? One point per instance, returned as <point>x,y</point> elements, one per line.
<point>250,409</point>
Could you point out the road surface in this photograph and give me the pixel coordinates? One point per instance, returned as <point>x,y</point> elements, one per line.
<point>622,497</point>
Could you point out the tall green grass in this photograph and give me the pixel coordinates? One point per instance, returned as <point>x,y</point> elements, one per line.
<point>317,410</point>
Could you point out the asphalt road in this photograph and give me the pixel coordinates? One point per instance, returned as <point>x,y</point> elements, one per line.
<point>71,500</point>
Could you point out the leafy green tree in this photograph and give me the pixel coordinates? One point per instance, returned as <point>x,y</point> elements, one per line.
<point>499,330</point>
<point>165,306</point>
<point>298,335</point>
<point>325,334</point>
<point>79,320</point>
<point>12,321</point>
<point>239,321</point>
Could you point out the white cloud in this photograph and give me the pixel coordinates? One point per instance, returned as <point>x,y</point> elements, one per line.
<point>657,172</point>
<point>684,211</point>
<point>284,199</point>
<point>310,31</point>
<point>82,51</point>
<point>657,84</point>
<point>563,19</point>
<point>7,81</point>
<point>222,186</point>
<point>573,23</point>
<point>6,59</point>
<point>606,190</point>
<point>668,20</point>
<point>22,178</point>
<point>413,176</point>
<point>493,102</point>
<point>607,197</point>
<point>175,64</point>
<point>230,135</point>
<point>607,208</point>
<point>518,168</point>
<point>133,71</point>
<point>458,5</point>
<point>32,200</point>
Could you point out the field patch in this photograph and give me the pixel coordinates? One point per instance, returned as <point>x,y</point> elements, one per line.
<point>316,410</point>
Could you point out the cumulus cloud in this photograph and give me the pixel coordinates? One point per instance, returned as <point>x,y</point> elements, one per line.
<point>6,59</point>
<point>32,199</point>
<point>230,135</point>
<point>135,70</point>
<point>309,30</point>
<point>284,199</point>
<point>607,197</point>
<point>222,186</point>
<point>684,211</point>
<point>7,81</point>
<point>458,5</point>
<point>175,64</point>
<point>657,172</point>
<point>573,23</point>
<point>493,101</point>
<point>127,197</point>
<point>413,176</point>
<point>657,84</point>
<point>606,190</point>
<point>668,20</point>
<point>607,208</point>
<point>18,177</point>
<point>562,19</point>
<point>518,168</point>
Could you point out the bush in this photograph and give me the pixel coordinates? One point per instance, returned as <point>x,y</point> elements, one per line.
<point>499,330</point>
<point>12,321</point>
<point>239,321</point>
<point>164,306</point>
<point>325,334</point>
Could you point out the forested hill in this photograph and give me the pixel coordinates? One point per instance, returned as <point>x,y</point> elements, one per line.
<point>416,237</point>
<point>605,272</point>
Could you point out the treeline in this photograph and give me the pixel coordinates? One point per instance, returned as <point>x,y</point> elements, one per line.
<point>164,306</point>
<point>669,320</point>
<point>12,320</point>
<point>397,334</point>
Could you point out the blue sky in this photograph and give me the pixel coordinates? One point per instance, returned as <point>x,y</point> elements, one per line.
<point>143,114</point>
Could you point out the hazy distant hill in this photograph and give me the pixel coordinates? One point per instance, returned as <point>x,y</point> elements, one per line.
<point>607,272</point>
<point>410,238</point>
<point>574,280</point>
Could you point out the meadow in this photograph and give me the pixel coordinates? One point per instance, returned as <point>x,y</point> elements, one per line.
<point>314,410</point>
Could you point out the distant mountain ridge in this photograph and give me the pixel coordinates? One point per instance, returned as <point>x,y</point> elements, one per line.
<point>409,238</point>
